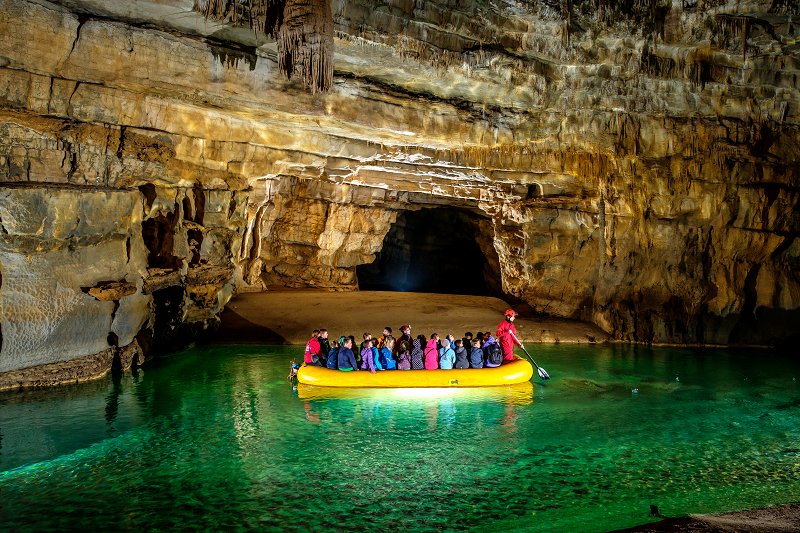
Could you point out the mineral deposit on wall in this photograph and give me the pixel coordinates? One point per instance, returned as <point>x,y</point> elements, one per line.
<point>631,163</point>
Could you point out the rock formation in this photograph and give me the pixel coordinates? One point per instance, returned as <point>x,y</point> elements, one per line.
<point>632,163</point>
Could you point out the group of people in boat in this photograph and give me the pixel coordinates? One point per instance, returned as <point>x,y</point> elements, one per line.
<point>414,353</point>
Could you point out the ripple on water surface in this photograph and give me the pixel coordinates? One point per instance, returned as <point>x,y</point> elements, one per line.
<point>215,438</point>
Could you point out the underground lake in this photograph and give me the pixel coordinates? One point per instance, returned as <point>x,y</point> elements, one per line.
<point>216,438</point>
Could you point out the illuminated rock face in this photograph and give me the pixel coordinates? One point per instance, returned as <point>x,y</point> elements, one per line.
<point>639,171</point>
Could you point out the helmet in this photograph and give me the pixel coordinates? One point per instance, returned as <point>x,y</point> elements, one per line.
<point>510,312</point>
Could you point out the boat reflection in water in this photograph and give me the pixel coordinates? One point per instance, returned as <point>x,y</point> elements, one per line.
<point>518,394</point>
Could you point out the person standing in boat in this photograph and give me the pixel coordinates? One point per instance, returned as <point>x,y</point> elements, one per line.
<point>311,357</point>
<point>507,335</point>
<point>347,361</point>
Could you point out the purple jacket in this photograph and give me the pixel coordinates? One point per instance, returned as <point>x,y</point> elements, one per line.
<point>367,360</point>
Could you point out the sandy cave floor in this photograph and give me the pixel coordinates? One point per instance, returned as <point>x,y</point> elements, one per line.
<point>288,317</point>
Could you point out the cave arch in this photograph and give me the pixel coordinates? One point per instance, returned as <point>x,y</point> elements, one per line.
<point>442,250</point>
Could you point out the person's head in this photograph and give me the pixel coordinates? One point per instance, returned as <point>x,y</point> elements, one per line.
<point>335,343</point>
<point>459,343</point>
<point>315,333</point>
<point>421,338</point>
<point>323,333</point>
<point>348,342</point>
<point>510,315</point>
<point>387,331</point>
<point>389,343</point>
<point>445,343</point>
<point>367,336</point>
<point>435,336</point>
<point>468,336</point>
<point>405,329</point>
<point>368,343</point>
<point>476,343</point>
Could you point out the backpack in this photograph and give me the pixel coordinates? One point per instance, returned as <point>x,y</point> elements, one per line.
<point>494,354</point>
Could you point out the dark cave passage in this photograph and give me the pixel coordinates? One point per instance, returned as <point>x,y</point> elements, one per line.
<point>441,250</point>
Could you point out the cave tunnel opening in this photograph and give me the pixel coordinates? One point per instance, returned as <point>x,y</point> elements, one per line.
<point>442,250</point>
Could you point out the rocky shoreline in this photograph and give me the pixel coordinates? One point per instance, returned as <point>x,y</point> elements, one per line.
<point>768,520</point>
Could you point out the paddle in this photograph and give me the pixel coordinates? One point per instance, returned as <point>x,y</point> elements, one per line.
<point>542,372</point>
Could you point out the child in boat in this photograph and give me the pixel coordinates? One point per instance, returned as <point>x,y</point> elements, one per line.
<point>417,355</point>
<point>431,353</point>
<point>476,354</point>
<point>333,355</point>
<point>447,357</point>
<point>347,361</point>
<point>462,357</point>
<point>386,359</point>
<point>492,351</point>
<point>367,358</point>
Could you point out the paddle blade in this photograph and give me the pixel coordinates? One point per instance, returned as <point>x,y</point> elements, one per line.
<point>543,373</point>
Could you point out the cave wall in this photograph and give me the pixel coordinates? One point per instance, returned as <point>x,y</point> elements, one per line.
<point>635,166</point>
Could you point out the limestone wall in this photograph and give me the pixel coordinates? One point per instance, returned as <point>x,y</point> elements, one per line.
<point>636,168</point>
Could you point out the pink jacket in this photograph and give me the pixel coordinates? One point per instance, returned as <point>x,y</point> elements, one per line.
<point>431,355</point>
<point>312,348</point>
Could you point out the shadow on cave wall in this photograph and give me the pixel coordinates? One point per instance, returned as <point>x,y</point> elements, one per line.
<point>432,250</point>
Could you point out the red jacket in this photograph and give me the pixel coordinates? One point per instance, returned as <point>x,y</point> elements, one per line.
<point>507,340</point>
<point>312,348</point>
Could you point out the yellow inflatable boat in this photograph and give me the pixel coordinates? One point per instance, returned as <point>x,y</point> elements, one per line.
<point>517,371</point>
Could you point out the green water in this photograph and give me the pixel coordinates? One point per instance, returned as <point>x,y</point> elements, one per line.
<point>215,438</point>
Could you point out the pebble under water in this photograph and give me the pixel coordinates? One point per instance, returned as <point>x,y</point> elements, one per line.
<point>216,438</point>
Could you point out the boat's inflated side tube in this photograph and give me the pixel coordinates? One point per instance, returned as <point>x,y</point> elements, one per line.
<point>516,371</point>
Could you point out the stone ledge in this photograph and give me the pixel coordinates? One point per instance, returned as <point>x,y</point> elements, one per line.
<point>85,368</point>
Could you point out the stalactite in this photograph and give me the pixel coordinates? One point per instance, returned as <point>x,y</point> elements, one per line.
<point>303,28</point>
<point>733,27</point>
<point>305,42</point>
<point>566,13</point>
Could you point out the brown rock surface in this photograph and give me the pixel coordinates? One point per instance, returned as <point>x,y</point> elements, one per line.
<point>634,164</point>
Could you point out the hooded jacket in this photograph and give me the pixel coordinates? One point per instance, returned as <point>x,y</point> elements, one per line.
<point>417,357</point>
<point>447,357</point>
<point>462,358</point>
<point>431,355</point>
<point>476,357</point>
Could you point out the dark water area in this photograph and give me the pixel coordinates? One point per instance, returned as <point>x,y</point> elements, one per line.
<point>215,438</point>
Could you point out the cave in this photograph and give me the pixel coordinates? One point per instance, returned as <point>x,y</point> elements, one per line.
<point>433,250</point>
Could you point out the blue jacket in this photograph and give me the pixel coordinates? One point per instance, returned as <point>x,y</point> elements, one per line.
<point>346,358</point>
<point>476,357</point>
<point>446,357</point>
<point>376,356</point>
<point>386,360</point>
<point>333,359</point>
